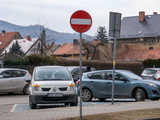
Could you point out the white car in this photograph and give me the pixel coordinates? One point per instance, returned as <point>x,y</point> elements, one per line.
<point>14,80</point>
<point>148,73</point>
<point>52,84</point>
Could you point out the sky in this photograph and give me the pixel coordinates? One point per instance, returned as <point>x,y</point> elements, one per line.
<point>55,14</point>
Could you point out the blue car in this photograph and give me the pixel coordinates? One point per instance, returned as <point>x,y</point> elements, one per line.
<point>98,84</point>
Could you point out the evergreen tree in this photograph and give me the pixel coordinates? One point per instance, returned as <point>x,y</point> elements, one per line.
<point>16,49</point>
<point>102,34</point>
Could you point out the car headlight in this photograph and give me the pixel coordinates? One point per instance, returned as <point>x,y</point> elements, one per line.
<point>36,87</point>
<point>152,84</point>
<point>71,86</point>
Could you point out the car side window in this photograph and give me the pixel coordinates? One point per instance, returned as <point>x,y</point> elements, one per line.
<point>6,74</point>
<point>108,75</point>
<point>20,73</point>
<point>119,77</point>
<point>97,75</point>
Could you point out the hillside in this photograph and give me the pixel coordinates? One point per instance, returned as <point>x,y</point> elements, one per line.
<point>34,31</point>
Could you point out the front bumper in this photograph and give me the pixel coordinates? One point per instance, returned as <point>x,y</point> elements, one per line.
<point>44,99</point>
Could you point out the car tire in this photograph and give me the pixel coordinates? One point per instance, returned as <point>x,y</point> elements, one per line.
<point>102,99</point>
<point>66,104</point>
<point>31,104</point>
<point>140,95</point>
<point>155,99</point>
<point>86,95</point>
<point>26,89</point>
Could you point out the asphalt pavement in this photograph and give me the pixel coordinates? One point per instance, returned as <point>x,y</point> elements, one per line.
<point>15,107</point>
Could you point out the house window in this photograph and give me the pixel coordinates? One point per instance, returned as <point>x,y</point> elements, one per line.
<point>150,48</point>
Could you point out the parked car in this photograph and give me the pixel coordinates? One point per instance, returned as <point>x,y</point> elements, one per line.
<point>98,84</point>
<point>52,84</point>
<point>14,80</point>
<point>156,76</point>
<point>75,71</point>
<point>149,72</point>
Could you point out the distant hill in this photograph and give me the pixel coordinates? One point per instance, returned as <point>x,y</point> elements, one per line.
<point>34,31</point>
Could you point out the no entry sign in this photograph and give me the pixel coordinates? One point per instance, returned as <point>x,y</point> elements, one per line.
<point>81,21</point>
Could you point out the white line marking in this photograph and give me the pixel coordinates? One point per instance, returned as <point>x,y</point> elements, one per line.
<point>81,21</point>
<point>14,107</point>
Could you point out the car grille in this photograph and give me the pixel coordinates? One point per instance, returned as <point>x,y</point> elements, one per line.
<point>55,98</point>
<point>45,89</point>
<point>63,89</point>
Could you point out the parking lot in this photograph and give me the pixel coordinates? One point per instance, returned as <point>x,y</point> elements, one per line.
<point>16,107</point>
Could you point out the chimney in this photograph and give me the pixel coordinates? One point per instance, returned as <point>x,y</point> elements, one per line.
<point>141,16</point>
<point>3,31</point>
<point>155,13</point>
<point>75,42</point>
<point>28,38</point>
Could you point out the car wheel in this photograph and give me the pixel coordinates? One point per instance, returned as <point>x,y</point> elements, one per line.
<point>140,95</point>
<point>102,99</point>
<point>86,95</point>
<point>66,104</point>
<point>26,90</point>
<point>32,105</point>
<point>154,99</point>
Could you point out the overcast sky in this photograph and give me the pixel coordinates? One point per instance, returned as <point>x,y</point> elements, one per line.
<point>55,14</point>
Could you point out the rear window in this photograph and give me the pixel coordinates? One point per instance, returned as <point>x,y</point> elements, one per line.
<point>149,71</point>
<point>52,74</point>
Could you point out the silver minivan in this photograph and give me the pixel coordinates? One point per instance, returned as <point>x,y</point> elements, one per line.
<point>52,84</point>
<point>13,80</point>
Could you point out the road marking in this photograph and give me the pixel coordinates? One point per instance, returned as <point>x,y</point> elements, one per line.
<point>13,108</point>
<point>20,108</point>
<point>25,107</point>
<point>81,21</point>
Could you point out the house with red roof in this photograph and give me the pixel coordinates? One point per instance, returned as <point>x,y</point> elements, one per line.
<point>70,50</point>
<point>6,38</point>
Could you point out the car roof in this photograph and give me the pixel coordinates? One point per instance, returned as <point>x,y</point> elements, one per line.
<point>152,68</point>
<point>49,67</point>
<point>1,69</point>
<point>117,70</point>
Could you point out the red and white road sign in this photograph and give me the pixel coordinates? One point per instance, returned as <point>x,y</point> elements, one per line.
<point>81,21</point>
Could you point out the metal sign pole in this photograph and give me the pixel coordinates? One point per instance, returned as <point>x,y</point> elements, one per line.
<point>114,67</point>
<point>80,64</point>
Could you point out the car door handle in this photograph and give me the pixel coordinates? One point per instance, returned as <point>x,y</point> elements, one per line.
<point>92,81</point>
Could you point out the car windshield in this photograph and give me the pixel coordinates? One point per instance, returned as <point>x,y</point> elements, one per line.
<point>131,75</point>
<point>52,74</point>
<point>149,71</point>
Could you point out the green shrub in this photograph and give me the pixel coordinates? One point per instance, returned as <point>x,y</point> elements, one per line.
<point>32,60</point>
<point>151,63</point>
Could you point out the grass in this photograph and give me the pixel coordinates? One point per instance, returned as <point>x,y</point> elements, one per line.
<point>149,114</point>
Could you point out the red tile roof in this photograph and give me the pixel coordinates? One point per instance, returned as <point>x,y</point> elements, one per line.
<point>7,37</point>
<point>68,49</point>
<point>140,55</point>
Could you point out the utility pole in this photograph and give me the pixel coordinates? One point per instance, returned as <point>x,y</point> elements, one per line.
<point>43,41</point>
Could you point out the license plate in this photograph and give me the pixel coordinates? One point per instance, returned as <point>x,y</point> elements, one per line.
<point>55,95</point>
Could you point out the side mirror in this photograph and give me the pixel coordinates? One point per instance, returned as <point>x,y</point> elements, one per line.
<point>28,81</point>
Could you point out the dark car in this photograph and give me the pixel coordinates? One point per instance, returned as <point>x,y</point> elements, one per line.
<point>98,84</point>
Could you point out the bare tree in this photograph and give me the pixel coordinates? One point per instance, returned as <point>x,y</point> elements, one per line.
<point>102,34</point>
<point>91,49</point>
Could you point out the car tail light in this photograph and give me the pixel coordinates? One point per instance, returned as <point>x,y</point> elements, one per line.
<point>78,82</point>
